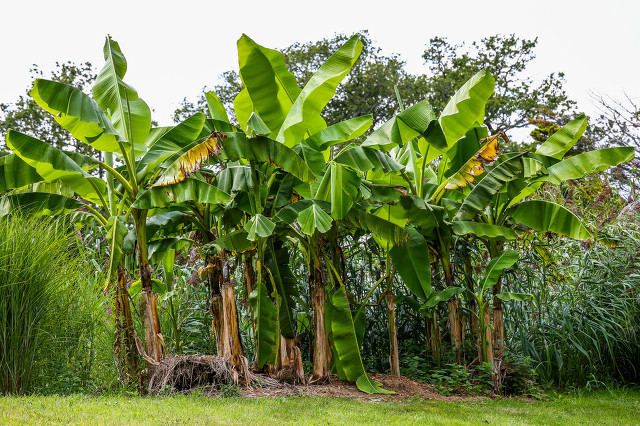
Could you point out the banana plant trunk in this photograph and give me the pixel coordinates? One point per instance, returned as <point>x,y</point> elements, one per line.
<point>148,299</point>
<point>289,363</point>
<point>321,350</point>
<point>124,345</point>
<point>226,324</point>
<point>394,357</point>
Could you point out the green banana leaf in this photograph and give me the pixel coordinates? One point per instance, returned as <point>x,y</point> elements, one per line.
<point>312,157</point>
<point>236,241</point>
<point>237,146</point>
<point>417,120</point>
<point>561,141</point>
<point>271,87</point>
<point>116,233</point>
<point>413,263</point>
<point>257,127</point>
<point>264,316</point>
<point>15,173</point>
<point>304,116</point>
<point>259,226</point>
<point>77,113</point>
<point>440,296</point>
<point>494,269</point>
<point>519,297</point>
<point>346,344</point>
<point>312,218</point>
<point>590,162</point>
<point>466,108</point>
<point>387,231</point>
<point>215,106</point>
<point>483,230</point>
<point>544,216</point>
<point>340,185</point>
<point>129,114</point>
<point>158,248</point>
<point>365,159</point>
<point>481,195</point>
<point>172,142</point>
<point>53,165</point>
<point>340,132</point>
<point>277,260</point>
<point>235,179</point>
<point>243,107</point>
<point>168,221</point>
<point>38,204</point>
<point>187,190</point>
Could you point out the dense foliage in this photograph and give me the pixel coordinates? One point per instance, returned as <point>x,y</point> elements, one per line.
<point>309,246</point>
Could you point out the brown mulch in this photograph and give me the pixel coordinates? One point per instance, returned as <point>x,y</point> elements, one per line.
<point>213,376</point>
<point>404,387</point>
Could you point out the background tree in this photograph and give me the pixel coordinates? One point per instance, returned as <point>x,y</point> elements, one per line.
<point>368,89</point>
<point>517,99</point>
<point>26,115</point>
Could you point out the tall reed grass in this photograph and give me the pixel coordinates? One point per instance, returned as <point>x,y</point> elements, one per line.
<point>49,312</point>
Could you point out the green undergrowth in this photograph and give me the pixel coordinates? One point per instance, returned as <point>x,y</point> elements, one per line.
<point>601,407</point>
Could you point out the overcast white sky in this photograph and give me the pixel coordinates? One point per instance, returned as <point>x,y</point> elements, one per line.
<point>176,48</point>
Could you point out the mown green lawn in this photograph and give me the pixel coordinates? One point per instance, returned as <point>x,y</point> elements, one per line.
<point>619,407</point>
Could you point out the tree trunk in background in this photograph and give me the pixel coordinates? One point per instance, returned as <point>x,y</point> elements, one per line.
<point>321,351</point>
<point>475,326</point>
<point>394,357</point>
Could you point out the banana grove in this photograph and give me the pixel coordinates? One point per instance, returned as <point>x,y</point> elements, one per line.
<point>423,191</point>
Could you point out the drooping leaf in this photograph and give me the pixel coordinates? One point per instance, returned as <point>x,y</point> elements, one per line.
<point>339,186</point>
<point>15,173</point>
<point>380,227</point>
<point>561,141</point>
<point>129,114</point>
<point>256,126</point>
<point>483,230</point>
<point>187,190</point>
<point>77,113</point>
<point>38,204</point>
<point>264,315</point>
<point>413,263</point>
<point>441,296</point>
<point>54,165</point>
<point>237,146</point>
<point>277,260</point>
<point>340,132</point>
<point>590,162</point>
<point>158,248</point>
<point>544,216</point>
<point>346,343</point>
<point>190,161</point>
<point>475,166</point>
<point>171,142</point>
<point>304,115</point>
<point>491,184</point>
<point>235,179</point>
<point>506,259</point>
<point>466,108</point>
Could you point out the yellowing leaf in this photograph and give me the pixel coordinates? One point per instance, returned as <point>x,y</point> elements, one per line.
<point>191,160</point>
<point>474,167</point>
